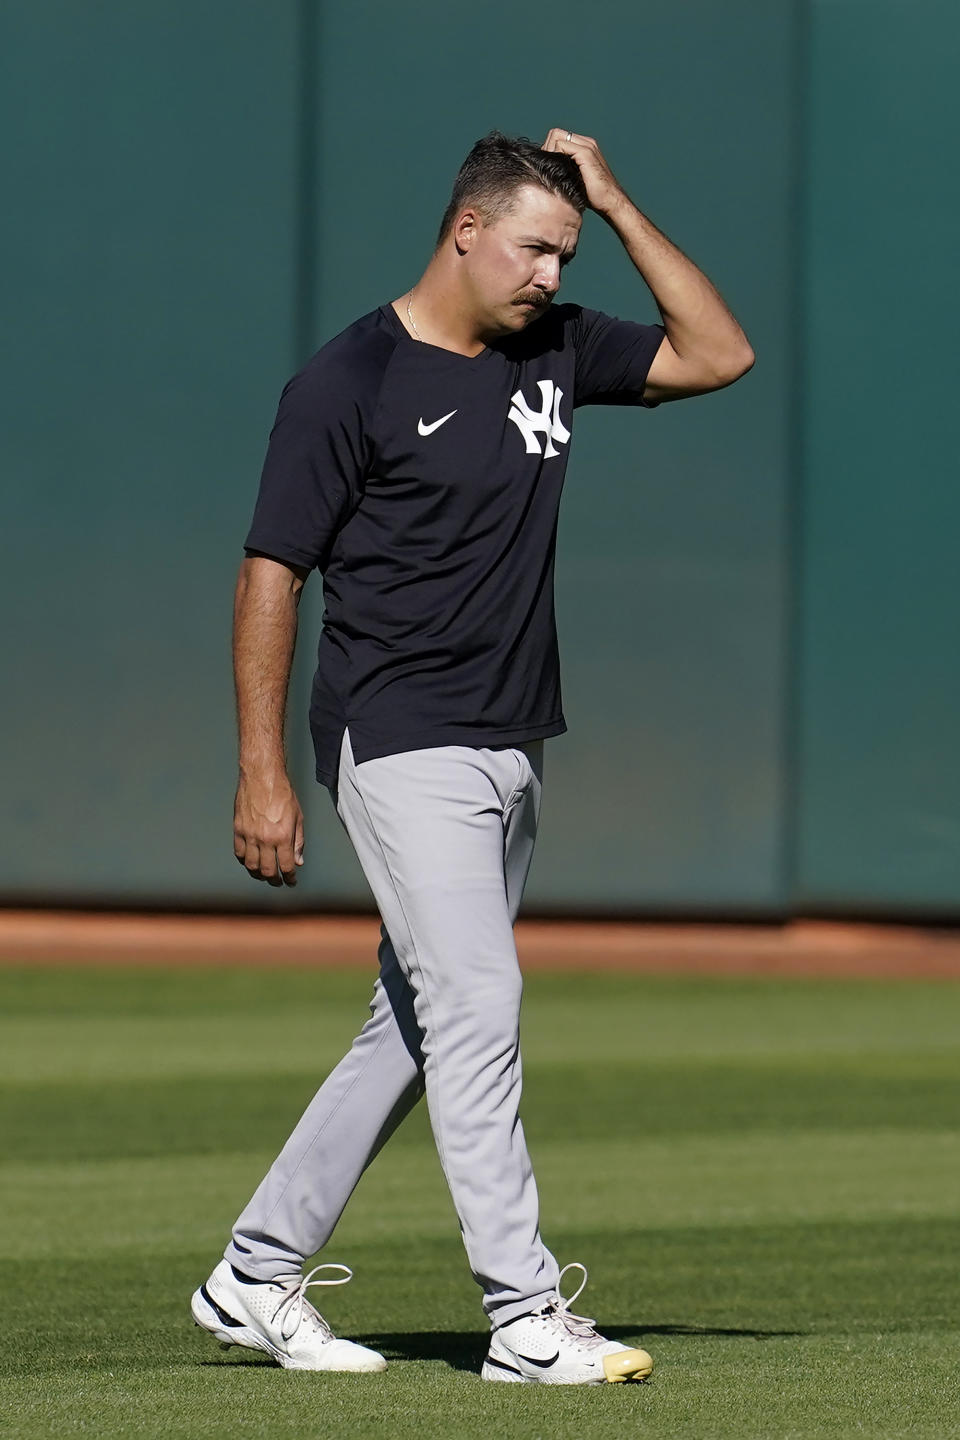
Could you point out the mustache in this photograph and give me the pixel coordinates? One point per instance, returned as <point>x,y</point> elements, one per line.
<point>533,297</point>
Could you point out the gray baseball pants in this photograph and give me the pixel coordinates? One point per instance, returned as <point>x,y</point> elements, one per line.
<point>445,837</point>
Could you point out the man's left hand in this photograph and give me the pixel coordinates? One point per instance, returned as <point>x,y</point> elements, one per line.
<point>603,193</point>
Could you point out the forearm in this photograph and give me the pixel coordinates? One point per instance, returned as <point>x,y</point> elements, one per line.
<point>698,323</point>
<point>264,636</point>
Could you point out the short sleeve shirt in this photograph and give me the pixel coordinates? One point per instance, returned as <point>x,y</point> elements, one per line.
<point>425,486</point>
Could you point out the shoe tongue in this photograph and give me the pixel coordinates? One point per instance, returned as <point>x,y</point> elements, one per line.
<point>577,1325</point>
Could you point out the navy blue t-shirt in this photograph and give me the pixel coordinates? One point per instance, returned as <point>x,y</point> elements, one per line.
<point>425,485</point>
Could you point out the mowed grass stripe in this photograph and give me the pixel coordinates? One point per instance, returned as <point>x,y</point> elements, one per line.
<point>207,1114</point>
<point>797,1389</point>
<point>690,1180</point>
<point>65,1025</point>
<point>690,1282</point>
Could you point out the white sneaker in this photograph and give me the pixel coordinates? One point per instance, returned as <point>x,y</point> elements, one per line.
<point>278,1318</point>
<point>552,1346</point>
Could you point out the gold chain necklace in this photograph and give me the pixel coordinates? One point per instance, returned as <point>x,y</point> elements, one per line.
<point>411,319</point>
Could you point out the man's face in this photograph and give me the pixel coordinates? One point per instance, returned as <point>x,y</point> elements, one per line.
<point>513,265</point>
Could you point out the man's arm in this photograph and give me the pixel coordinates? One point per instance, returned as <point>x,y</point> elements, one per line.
<point>267,821</point>
<point>704,347</point>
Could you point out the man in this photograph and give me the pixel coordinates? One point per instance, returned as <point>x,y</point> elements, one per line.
<point>417,462</point>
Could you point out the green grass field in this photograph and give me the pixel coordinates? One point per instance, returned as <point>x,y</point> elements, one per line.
<point>763,1179</point>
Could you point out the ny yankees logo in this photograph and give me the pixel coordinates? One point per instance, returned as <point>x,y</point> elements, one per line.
<point>548,421</point>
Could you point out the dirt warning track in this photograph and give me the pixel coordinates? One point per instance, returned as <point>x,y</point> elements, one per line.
<point>800,948</point>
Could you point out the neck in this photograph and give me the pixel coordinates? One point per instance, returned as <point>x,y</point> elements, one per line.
<point>435,313</point>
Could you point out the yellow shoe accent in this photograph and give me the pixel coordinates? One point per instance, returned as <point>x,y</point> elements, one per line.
<point>627,1365</point>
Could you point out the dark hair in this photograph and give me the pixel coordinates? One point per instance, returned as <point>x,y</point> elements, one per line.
<point>496,168</point>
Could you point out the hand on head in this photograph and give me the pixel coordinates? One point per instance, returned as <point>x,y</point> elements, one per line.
<point>603,191</point>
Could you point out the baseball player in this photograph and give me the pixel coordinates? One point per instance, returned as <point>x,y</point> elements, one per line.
<point>417,462</point>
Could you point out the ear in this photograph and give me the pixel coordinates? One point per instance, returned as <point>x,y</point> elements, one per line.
<point>465,230</point>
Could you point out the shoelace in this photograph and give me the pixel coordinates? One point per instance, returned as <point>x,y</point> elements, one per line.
<point>558,1308</point>
<point>295,1302</point>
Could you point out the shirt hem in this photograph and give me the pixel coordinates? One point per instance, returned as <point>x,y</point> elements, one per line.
<point>480,739</point>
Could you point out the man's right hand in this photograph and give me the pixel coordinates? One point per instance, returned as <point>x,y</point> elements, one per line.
<point>268,828</point>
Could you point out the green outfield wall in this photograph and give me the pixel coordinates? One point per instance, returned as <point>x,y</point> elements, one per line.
<point>757,595</point>
<point>877,658</point>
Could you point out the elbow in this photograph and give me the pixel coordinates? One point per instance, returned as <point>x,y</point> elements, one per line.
<point>731,365</point>
<point>738,362</point>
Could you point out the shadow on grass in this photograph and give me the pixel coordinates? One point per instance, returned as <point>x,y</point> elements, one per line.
<point>460,1349</point>
<point>465,1349</point>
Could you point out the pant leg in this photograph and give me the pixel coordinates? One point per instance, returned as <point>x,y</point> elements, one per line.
<point>297,1205</point>
<point>520,828</point>
<point>445,837</point>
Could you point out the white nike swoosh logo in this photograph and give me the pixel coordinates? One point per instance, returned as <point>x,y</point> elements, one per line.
<point>429,429</point>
